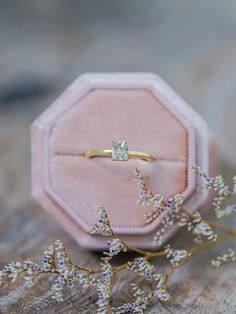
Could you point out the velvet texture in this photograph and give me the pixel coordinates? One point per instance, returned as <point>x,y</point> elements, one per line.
<point>69,185</point>
<point>104,115</point>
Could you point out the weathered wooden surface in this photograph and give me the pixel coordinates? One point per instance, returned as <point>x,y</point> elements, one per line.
<point>44,45</point>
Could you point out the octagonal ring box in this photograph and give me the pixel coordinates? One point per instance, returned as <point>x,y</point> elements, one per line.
<point>95,110</point>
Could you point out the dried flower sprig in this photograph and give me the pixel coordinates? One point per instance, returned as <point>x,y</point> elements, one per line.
<point>55,260</point>
<point>146,197</point>
<point>103,226</point>
<point>222,190</point>
<point>224,258</point>
<point>104,286</point>
<point>199,228</point>
<point>174,213</point>
<point>142,299</point>
<point>175,256</point>
<point>115,246</point>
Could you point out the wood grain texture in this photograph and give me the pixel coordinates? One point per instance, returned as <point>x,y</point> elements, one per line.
<point>44,46</point>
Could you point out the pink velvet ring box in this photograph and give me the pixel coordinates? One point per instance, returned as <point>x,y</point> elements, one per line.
<point>95,110</point>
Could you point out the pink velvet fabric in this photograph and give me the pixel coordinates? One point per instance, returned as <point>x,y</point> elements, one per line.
<point>96,109</point>
<point>101,116</point>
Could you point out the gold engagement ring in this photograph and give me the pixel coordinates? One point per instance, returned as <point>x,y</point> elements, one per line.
<point>119,152</point>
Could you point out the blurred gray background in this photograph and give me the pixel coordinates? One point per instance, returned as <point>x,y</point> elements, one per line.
<point>46,44</point>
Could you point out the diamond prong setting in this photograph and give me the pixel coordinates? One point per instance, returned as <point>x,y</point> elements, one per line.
<point>120,150</point>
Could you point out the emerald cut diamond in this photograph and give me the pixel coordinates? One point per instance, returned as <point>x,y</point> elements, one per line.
<point>120,150</point>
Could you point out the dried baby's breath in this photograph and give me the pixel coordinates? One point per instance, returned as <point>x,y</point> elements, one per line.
<point>144,268</point>
<point>87,279</point>
<point>104,287</point>
<point>175,256</point>
<point>173,215</point>
<point>171,208</point>
<point>142,298</point>
<point>115,246</point>
<point>200,228</point>
<point>139,305</point>
<point>103,226</point>
<point>222,190</point>
<point>56,262</point>
<point>145,195</point>
<point>67,272</point>
<point>225,258</point>
<point>226,211</point>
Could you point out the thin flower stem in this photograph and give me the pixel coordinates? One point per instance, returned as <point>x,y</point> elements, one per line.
<point>134,249</point>
<point>155,254</point>
<point>198,248</point>
<point>148,254</point>
<point>232,232</point>
<point>214,225</point>
<point>194,248</point>
<point>120,267</point>
<point>208,244</point>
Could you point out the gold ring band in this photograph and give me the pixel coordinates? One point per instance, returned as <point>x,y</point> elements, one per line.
<point>119,152</point>
<point>108,152</point>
